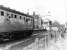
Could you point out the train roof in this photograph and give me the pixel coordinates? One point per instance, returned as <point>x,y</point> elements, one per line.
<point>13,11</point>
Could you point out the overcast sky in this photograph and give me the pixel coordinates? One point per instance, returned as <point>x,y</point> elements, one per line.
<point>57,8</point>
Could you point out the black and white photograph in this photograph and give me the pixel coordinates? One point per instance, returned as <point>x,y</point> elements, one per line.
<point>33,24</point>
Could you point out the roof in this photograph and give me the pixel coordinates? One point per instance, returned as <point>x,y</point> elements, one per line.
<point>13,11</point>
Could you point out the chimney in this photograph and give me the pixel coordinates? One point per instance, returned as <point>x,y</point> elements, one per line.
<point>34,14</point>
<point>28,12</point>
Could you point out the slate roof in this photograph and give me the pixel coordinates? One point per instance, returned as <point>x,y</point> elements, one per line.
<point>13,11</point>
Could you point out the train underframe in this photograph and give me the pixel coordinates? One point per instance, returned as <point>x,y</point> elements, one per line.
<point>15,35</point>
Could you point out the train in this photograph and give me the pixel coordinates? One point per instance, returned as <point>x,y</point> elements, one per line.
<point>15,24</point>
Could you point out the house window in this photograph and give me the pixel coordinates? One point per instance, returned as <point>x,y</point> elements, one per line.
<point>2,13</point>
<point>31,19</point>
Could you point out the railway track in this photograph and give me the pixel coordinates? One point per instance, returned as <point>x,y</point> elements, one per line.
<point>12,36</point>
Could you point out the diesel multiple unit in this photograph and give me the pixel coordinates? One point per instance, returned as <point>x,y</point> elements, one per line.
<point>15,24</point>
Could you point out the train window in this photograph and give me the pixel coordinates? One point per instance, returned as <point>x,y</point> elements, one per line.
<point>27,19</point>
<point>50,22</point>
<point>15,16</point>
<point>24,18</point>
<point>2,13</point>
<point>7,14</point>
<point>20,17</point>
<point>12,15</point>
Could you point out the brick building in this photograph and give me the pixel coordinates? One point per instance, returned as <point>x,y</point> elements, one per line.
<point>37,21</point>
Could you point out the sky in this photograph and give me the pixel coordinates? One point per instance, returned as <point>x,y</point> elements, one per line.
<point>56,8</point>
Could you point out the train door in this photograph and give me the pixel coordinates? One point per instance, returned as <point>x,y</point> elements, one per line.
<point>29,22</point>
